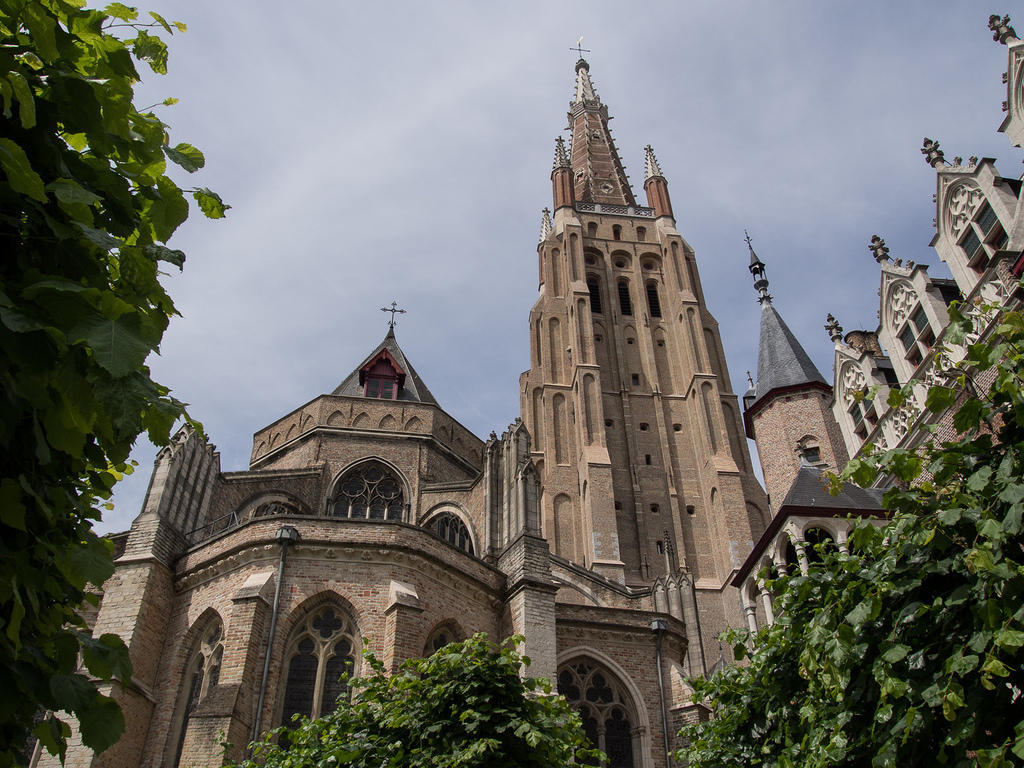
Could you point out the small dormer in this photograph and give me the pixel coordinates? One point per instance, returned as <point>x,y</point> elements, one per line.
<point>382,377</point>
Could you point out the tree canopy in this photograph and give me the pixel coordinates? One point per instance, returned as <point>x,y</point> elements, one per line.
<point>466,706</point>
<point>86,209</point>
<point>908,650</point>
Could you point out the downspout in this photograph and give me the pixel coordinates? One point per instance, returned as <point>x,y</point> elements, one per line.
<point>659,626</point>
<point>286,535</point>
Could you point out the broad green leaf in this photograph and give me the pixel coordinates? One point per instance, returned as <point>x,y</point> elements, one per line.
<point>210,203</point>
<point>41,26</point>
<point>152,50</point>
<point>19,171</point>
<point>118,345</point>
<point>163,253</point>
<point>1009,638</point>
<point>99,237</point>
<point>187,156</point>
<point>70,191</point>
<point>896,653</point>
<point>26,101</point>
<point>939,399</point>
<point>160,20</point>
<point>121,11</point>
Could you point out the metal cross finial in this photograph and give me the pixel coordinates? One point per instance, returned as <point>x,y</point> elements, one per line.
<point>393,309</point>
<point>749,245</point>
<point>579,49</point>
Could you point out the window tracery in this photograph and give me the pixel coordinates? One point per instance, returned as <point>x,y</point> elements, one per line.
<point>371,491</point>
<point>909,323</point>
<point>202,673</point>
<point>321,650</point>
<point>604,709</point>
<point>450,527</point>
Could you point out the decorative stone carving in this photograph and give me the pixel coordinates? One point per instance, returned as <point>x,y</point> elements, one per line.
<point>932,154</point>
<point>962,202</point>
<point>1001,29</point>
<point>879,249</point>
<point>833,328</point>
<point>853,381</point>
<point>902,299</point>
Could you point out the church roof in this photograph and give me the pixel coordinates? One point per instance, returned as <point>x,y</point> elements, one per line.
<point>808,490</point>
<point>781,361</point>
<point>412,389</point>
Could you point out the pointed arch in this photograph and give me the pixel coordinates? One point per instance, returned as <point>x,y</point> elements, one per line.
<point>388,422</point>
<point>449,522</point>
<point>413,424</point>
<point>336,419</point>
<point>611,705</point>
<point>555,348</point>
<point>537,400</point>
<point>560,427</point>
<point>362,421</point>
<point>323,643</point>
<point>441,634</point>
<point>201,656</point>
<point>370,488</point>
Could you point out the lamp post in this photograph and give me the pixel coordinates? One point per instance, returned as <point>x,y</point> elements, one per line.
<point>286,534</point>
<point>660,627</point>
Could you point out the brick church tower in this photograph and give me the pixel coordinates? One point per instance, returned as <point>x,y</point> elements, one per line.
<point>637,438</point>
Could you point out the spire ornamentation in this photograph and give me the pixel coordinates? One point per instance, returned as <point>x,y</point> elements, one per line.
<point>651,167</point>
<point>879,249</point>
<point>757,270</point>
<point>932,154</point>
<point>545,225</point>
<point>561,156</point>
<point>833,328</point>
<point>1001,29</point>
<point>584,87</point>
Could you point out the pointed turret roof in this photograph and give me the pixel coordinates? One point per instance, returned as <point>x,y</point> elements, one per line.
<point>411,387</point>
<point>651,167</point>
<point>598,173</point>
<point>781,361</point>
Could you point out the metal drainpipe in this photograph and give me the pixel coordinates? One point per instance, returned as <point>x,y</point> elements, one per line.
<point>660,626</point>
<point>286,535</point>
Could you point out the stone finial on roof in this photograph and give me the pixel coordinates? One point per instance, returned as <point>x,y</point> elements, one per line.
<point>932,154</point>
<point>561,156</point>
<point>879,249</point>
<point>584,87</point>
<point>833,328</point>
<point>1001,29</point>
<point>972,161</point>
<point>545,225</point>
<point>651,167</point>
<point>750,380</point>
<point>757,270</point>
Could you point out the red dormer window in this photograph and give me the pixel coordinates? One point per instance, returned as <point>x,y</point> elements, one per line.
<point>382,377</point>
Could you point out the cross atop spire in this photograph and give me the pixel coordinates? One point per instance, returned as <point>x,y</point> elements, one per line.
<point>561,156</point>
<point>545,225</point>
<point>579,49</point>
<point>393,309</point>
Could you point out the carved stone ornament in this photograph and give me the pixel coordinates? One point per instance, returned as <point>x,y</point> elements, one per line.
<point>932,154</point>
<point>902,298</point>
<point>852,381</point>
<point>962,202</point>
<point>879,249</point>
<point>1001,29</point>
<point>832,328</point>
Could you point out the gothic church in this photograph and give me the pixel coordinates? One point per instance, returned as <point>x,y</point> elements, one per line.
<point>605,525</point>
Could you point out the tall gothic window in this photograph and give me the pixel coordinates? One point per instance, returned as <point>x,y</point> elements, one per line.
<point>594,285</point>
<point>653,303</point>
<point>320,651</point>
<point>625,304</point>
<point>604,709</point>
<point>202,672</point>
<point>369,490</point>
<point>451,528</point>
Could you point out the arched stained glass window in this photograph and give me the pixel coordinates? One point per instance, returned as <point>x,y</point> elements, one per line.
<point>202,673</point>
<point>450,527</point>
<point>604,708</point>
<point>320,651</point>
<point>369,490</point>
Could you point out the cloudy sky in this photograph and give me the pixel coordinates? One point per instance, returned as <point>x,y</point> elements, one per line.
<point>401,151</point>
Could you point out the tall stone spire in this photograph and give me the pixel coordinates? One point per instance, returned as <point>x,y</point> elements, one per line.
<point>651,167</point>
<point>545,225</point>
<point>597,172</point>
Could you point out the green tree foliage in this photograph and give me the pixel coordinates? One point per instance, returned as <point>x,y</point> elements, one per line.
<point>465,706</point>
<point>86,208</point>
<point>908,651</point>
